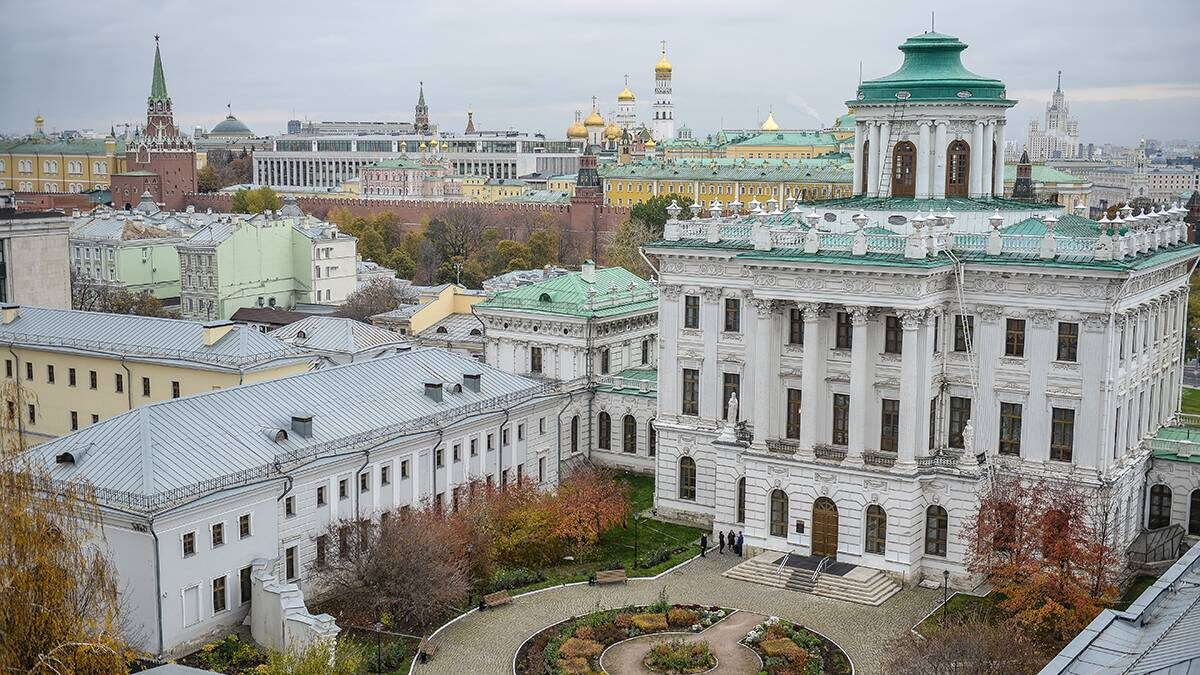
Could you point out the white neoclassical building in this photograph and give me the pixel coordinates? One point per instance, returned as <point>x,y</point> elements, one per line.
<point>596,332</point>
<point>839,379</point>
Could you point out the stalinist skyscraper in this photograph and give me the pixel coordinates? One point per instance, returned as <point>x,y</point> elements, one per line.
<point>1060,138</point>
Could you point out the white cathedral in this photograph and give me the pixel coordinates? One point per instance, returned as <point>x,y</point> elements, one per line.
<point>837,379</point>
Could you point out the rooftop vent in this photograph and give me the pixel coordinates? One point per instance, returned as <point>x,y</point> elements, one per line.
<point>277,435</point>
<point>72,456</point>
<point>433,391</point>
<point>302,425</point>
<point>10,313</point>
<point>215,330</point>
<point>588,272</point>
<point>471,382</point>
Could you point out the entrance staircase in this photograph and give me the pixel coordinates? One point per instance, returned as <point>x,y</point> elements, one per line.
<point>839,581</point>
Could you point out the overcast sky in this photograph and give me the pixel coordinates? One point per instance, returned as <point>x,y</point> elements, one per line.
<point>1129,69</point>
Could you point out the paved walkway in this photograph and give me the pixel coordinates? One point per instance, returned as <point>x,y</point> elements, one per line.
<point>723,637</point>
<point>487,642</point>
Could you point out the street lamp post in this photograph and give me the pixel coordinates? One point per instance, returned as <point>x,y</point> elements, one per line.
<point>637,521</point>
<point>378,647</point>
<point>945,592</point>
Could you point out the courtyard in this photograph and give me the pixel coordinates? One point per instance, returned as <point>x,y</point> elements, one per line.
<point>487,642</point>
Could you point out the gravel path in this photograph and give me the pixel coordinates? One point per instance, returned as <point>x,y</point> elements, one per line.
<point>486,642</point>
<point>723,637</point>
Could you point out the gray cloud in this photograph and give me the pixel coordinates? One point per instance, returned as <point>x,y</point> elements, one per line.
<point>528,65</point>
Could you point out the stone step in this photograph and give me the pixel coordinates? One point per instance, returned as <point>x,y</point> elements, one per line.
<point>862,586</point>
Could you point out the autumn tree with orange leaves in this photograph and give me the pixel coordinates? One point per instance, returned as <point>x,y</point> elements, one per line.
<point>590,502</point>
<point>1044,547</point>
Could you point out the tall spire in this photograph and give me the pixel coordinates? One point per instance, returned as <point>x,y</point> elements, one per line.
<point>1058,90</point>
<point>421,98</point>
<point>158,83</point>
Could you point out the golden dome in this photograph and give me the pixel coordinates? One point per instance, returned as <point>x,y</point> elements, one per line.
<point>770,124</point>
<point>612,132</point>
<point>663,67</point>
<point>594,120</point>
<point>650,143</point>
<point>39,119</point>
<point>576,130</point>
<point>625,95</point>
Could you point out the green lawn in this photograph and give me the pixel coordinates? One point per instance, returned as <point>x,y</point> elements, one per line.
<point>1191,400</point>
<point>961,605</point>
<point>1135,588</point>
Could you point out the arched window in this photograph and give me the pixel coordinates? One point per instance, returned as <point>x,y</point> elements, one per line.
<point>740,516</point>
<point>779,513</point>
<point>629,434</point>
<point>904,170</point>
<point>866,165</point>
<point>604,432</point>
<point>1194,513</point>
<point>651,439</point>
<point>958,168</point>
<point>575,434</point>
<point>441,329</point>
<point>687,478</point>
<point>1160,507</point>
<point>937,526</point>
<point>876,531</point>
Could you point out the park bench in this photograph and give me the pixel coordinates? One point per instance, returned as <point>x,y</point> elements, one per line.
<point>427,650</point>
<point>496,599</point>
<point>611,577</point>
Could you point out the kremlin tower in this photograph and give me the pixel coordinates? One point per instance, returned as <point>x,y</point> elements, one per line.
<point>664,110</point>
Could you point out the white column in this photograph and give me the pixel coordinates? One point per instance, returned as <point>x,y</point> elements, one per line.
<point>873,160</point>
<point>858,158</point>
<point>923,160</point>
<point>813,398</point>
<point>882,150</point>
<point>861,399</point>
<point>985,182</point>
<point>939,162</point>
<point>998,162</point>
<point>975,184</point>
<point>765,373</point>
<point>914,386</point>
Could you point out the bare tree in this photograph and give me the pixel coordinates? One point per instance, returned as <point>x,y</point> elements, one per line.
<point>374,297</point>
<point>966,646</point>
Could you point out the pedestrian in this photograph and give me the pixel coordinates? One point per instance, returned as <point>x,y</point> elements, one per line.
<point>740,541</point>
<point>721,541</point>
<point>731,540</point>
<point>703,544</point>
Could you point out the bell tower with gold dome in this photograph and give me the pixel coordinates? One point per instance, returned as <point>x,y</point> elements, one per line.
<point>664,110</point>
<point>626,116</point>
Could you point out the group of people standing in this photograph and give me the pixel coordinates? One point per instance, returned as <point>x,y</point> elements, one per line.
<point>733,541</point>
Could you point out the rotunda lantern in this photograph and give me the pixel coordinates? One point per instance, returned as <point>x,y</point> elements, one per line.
<point>813,218</point>
<point>753,206</point>
<point>695,209</point>
<point>673,210</point>
<point>715,209</point>
<point>735,206</point>
<point>996,220</point>
<point>860,219</point>
<point>772,205</point>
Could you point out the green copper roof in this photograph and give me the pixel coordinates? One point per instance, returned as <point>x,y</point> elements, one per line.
<point>401,163</point>
<point>932,71</point>
<point>1044,174</point>
<point>158,83</point>
<point>24,146</point>
<point>836,169</point>
<point>787,138</point>
<point>616,291</point>
<point>844,122</point>
<point>954,204</point>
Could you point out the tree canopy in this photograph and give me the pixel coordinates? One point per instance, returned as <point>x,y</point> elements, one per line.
<point>255,201</point>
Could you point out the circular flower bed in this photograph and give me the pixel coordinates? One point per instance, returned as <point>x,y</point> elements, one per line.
<point>680,658</point>
<point>787,648</point>
<point>574,646</point>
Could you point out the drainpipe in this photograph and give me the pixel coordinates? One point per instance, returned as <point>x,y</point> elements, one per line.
<point>433,463</point>
<point>157,588</point>
<point>128,383</point>
<point>17,381</point>
<point>500,451</point>
<point>570,398</point>
<point>590,384</point>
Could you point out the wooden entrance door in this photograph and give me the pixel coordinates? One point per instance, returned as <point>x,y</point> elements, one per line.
<point>825,527</point>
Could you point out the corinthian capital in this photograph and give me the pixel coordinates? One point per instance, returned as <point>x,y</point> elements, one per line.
<point>812,311</point>
<point>911,319</point>
<point>670,291</point>
<point>859,314</point>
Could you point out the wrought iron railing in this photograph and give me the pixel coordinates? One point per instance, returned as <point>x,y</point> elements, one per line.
<point>884,459</point>
<point>830,453</point>
<point>781,446</point>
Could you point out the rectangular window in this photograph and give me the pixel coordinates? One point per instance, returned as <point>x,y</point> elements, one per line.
<point>504,437</point>
<point>289,507</point>
<point>733,315</point>
<point>246,587</point>
<point>49,374</point>
<point>441,460</point>
<point>520,432</point>
<point>120,383</point>
<point>320,495</point>
<point>889,427</point>
<point>74,420</point>
<point>364,482</point>
<point>1068,341</point>
<point>1062,434</point>
<point>794,397</point>
<point>28,370</point>
<point>604,361</point>
<point>960,412</point>
<point>403,469</point>
<point>456,452</point>
<point>290,567</point>
<point>691,311</point>
<point>645,352</point>
<point>730,384</point>
<point>845,333</point>
<point>691,392</point>
<point>1010,429</point>
<point>541,470</point>
<point>189,544</point>
<point>541,425</point>
<point>841,419</point>
<point>796,326</point>
<point>32,414</point>
<point>937,327</point>
<point>218,588</point>
<point>322,544</point>
<point>491,442</point>
<point>92,379</point>
<point>1014,337</point>
<point>70,377</point>
<point>893,335</point>
<point>474,444</point>
<point>218,534</point>
<point>8,368</point>
<point>535,359</point>
<point>174,389</point>
<point>385,477</point>
<point>95,418</point>
<point>343,488</point>
<point>964,332</point>
<point>520,476</point>
<point>146,387</point>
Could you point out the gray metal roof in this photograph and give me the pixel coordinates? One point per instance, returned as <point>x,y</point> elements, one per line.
<point>144,338</point>
<point>172,452</point>
<point>337,335</point>
<point>219,230</point>
<point>401,312</point>
<point>455,327</point>
<point>1159,633</point>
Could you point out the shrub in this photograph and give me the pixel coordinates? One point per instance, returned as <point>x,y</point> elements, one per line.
<point>585,632</point>
<point>515,577</point>
<point>574,666</point>
<point>575,648</point>
<point>679,616</point>
<point>662,604</point>
<point>623,620</point>
<point>650,622</point>
<point>231,654</point>
<point>392,656</point>
<point>783,647</point>
<point>678,656</point>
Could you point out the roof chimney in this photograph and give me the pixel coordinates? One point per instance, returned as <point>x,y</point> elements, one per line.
<point>433,391</point>
<point>471,382</point>
<point>588,271</point>
<point>302,425</point>
<point>214,331</point>
<point>10,313</point>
